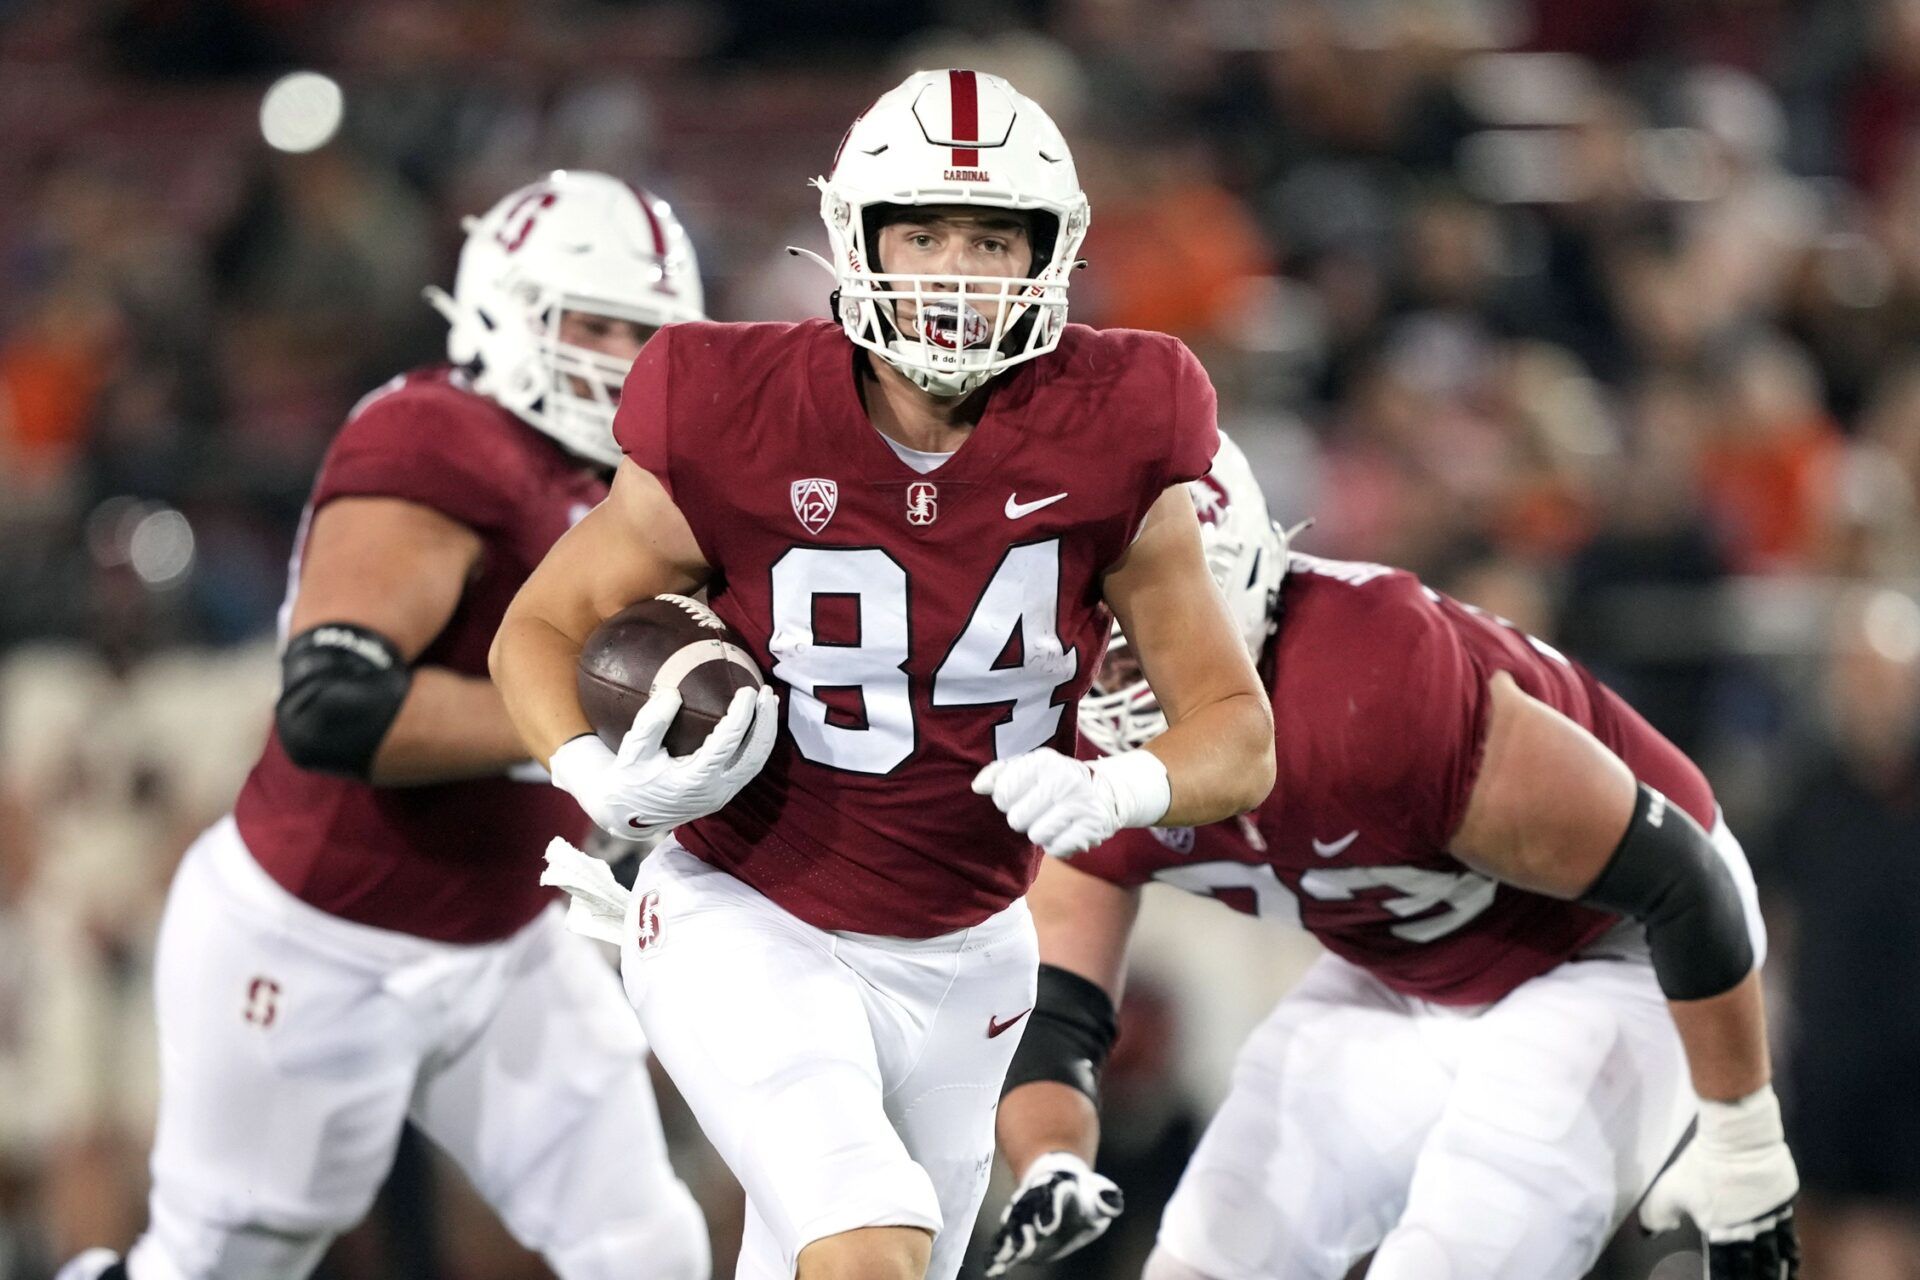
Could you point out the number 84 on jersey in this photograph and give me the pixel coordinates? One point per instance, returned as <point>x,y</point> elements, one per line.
<point>842,641</point>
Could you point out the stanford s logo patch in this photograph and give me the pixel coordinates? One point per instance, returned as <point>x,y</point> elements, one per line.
<point>814,502</point>
<point>647,925</point>
<point>922,503</point>
<point>263,1002</point>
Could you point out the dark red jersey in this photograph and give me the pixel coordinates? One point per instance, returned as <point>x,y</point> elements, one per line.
<point>460,861</point>
<point>1380,696</point>
<point>918,626</point>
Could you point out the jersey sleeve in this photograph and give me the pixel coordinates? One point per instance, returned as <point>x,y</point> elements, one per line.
<point>1129,859</point>
<point>1195,430</point>
<point>1416,722</point>
<point>642,424</point>
<point>421,448</point>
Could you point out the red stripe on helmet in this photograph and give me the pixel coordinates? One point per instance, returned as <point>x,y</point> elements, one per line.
<point>653,221</point>
<point>966,116</point>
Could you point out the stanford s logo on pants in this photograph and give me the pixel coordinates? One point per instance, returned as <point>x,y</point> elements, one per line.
<point>263,1002</point>
<point>646,922</point>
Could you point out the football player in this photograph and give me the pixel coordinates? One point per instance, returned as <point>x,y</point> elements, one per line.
<point>1538,929</point>
<point>364,941</point>
<point>917,516</point>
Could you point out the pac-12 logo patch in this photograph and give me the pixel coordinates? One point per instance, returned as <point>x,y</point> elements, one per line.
<point>647,925</point>
<point>814,501</point>
<point>923,503</point>
<point>1178,839</point>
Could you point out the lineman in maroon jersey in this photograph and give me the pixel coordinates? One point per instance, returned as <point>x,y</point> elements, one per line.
<point>365,940</point>
<point>1482,1077</point>
<point>917,519</point>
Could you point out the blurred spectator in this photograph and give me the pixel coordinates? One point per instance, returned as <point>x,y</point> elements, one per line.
<point>1848,854</point>
<point>26,1068</point>
<point>1176,252</point>
<point>1877,522</point>
<point>1769,461</point>
<point>1640,605</point>
<point>52,367</point>
<point>1882,108</point>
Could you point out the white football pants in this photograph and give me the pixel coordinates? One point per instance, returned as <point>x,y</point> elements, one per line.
<point>294,1044</point>
<point>848,1080</point>
<point>1501,1143</point>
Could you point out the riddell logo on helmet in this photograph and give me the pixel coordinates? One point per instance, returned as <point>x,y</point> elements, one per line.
<point>968,175</point>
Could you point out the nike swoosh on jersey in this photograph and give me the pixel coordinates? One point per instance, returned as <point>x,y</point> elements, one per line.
<point>995,1026</point>
<point>1016,508</point>
<point>1334,848</point>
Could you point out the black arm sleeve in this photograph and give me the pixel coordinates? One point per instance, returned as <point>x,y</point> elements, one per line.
<point>1667,875</point>
<point>1072,1031</point>
<point>341,686</point>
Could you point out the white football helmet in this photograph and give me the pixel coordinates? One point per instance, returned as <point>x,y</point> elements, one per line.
<point>573,241</point>
<point>953,138</point>
<point>1247,555</point>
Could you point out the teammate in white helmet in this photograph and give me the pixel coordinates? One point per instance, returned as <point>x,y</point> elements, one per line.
<point>364,941</point>
<point>917,516</point>
<point>1540,933</point>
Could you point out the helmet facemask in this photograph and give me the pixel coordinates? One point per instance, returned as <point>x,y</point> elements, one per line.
<point>1246,554</point>
<point>949,334</point>
<point>1120,712</point>
<point>582,384</point>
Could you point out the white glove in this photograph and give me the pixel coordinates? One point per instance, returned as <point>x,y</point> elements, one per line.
<point>642,791</point>
<point>1736,1181</point>
<point>1059,1206</point>
<point>1068,806</point>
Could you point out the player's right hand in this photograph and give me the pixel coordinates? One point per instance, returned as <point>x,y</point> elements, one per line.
<point>640,791</point>
<point>1737,1181</point>
<point>1060,1205</point>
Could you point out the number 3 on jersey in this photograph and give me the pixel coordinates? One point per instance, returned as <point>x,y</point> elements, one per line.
<point>1021,600</point>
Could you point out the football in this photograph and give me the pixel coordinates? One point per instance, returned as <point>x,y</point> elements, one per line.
<point>666,642</point>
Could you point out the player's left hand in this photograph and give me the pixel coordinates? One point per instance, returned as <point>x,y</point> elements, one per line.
<point>1068,806</point>
<point>1053,800</point>
<point>1736,1181</point>
<point>1059,1206</point>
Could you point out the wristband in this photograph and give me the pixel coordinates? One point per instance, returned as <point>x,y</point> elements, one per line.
<point>1136,787</point>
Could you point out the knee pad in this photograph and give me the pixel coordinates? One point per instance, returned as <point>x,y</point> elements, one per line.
<point>1545,1237</point>
<point>669,1243</point>
<point>1162,1265</point>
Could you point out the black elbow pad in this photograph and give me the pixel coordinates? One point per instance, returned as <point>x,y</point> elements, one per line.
<point>1667,875</point>
<point>1071,1033</point>
<point>341,686</point>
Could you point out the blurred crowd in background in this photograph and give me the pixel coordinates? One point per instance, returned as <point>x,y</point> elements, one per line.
<point>1600,314</point>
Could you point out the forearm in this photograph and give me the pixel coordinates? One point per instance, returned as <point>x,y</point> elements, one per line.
<point>533,665</point>
<point>1725,1037</point>
<point>1219,760</point>
<point>1046,1116</point>
<point>451,727</point>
